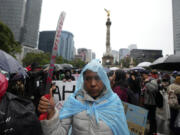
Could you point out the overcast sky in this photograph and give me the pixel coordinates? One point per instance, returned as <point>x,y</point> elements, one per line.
<point>147,23</point>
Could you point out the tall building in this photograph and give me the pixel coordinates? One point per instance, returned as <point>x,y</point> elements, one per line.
<point>66,48</point>
<point>86,54</point>
<point>176,25</point>
<point>22,17</point>
<point>77,56</point>
<point>89,55</point>
<point>83,53</point>
<point>141,55</point>
<point>132,46</point>
<point>93,55</point>
<point>12,13</point>
<point>30,29</point>
<point>123,52</point>
<point>115,55</point>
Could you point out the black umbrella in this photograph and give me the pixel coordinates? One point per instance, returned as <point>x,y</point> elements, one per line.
<point>171,62</point>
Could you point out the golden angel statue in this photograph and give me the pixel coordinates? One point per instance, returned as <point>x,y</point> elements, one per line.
<point>108,12</point>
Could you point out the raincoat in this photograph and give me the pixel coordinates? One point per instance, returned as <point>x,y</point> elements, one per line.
<point>102,116</point>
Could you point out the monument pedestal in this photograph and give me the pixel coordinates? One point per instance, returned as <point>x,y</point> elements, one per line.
<point>107,60</point>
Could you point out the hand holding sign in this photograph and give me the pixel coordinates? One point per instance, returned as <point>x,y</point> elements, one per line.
<point>47,105</point>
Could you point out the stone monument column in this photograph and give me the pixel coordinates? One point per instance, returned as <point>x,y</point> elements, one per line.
<point>107,57</point>
<point>108,46</point>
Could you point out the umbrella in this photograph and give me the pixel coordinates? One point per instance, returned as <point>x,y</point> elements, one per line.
<point>114,68</point>
<point>57,66</point>
<point>66,66</point>
<point>144,64</point>
<point>171,62</point>
<point>106,69</point>
<point>10,64</point>
<point>137,68</point>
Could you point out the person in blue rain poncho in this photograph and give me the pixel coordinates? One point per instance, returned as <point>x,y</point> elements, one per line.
<point>93,109</point>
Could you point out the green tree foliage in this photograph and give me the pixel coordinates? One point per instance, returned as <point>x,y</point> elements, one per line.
<point>135,62</point>
<point>7,41</point>
<point>126,62</point>
<point>40,58</point>
<point>60,60</point>
<point>44,58</point>
<point>78,63</point>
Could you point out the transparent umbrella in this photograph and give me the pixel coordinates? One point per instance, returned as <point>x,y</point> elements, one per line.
<point>10,64</point>
<point>144,64</point>
<point>57,66</point>
<point>66,66</point>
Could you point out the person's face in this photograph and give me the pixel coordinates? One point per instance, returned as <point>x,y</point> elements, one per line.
<point>145,76</point>
<point>93,84</point>
<point>68,73</point>
<point>165,83</point>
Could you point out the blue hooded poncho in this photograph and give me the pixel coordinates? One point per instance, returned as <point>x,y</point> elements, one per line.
<point>111,112</point>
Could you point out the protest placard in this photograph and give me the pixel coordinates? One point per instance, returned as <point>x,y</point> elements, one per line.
<point>63,90</point>
<point>136,118</point>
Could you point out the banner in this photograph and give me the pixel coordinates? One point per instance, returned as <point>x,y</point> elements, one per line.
<point>136,118</point>
<point>63,90</point>
<point>54,51</point>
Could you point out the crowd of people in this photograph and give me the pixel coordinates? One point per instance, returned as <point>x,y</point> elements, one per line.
<point>151,90</point>
<point>95,107</point>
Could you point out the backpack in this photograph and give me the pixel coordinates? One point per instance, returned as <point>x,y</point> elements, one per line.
<point>172,98</point>
<point>17,116</point>
<point>159,99</point>
<point>157,95</point>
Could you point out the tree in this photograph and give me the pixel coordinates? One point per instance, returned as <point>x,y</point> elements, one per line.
<point>7,41</point>
<point>60,60</point>
<point>126,61</point>
<point>40,58</point>
<point>78,63</point>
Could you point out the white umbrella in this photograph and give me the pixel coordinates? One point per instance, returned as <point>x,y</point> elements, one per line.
<point>144,64</point>
<point>137,68</point>
<point>159,60</point>
<point>114,68</point>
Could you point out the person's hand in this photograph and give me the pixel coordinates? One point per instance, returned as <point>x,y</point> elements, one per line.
<point>133,77</point>
<point>64,80</point>
<point>47,106</point>
<point>46,69</point>
<point>53,87</point>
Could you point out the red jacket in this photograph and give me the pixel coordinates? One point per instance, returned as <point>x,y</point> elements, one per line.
<point>121,92</point>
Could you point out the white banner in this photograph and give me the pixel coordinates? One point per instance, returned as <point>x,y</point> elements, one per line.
<point>63,90</point>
